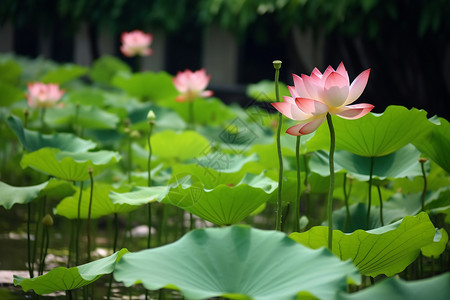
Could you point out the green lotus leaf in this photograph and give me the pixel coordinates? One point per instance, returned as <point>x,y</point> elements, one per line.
<point>386,250</point>
<point>64,74</point>
<point>139,195</point>
<point>172,146</point>
<point>401,163</point>
<point>226,262</point>
<point>206,111</point>
<point>101,203</point>
<point>24,194</point>
<point>87,96</point>
<point>67,165</point>
<point>63,279</point>
<point>264,91</point>
<point>10,72</point>
<point>91,117</point>
<point>374,134</point>
<point>104,69</point>
<point>225,204</point>
<point>33,140</point>
<point>438,246</point>
<point>9,94</point>
<point>19,195</point>
<point>436,178</point>
<point>436,144</point>
<point>149,85</point>
<point>165,117</point>
<point>218,167</point>
<point>436,288</point>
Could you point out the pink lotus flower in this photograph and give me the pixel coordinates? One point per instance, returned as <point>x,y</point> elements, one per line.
<point>316,95</point>
<point>192,85</point>
<point>135,43</point>
<point>43,95</point>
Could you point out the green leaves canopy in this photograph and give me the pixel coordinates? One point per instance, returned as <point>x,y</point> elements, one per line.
<point>227,262</point>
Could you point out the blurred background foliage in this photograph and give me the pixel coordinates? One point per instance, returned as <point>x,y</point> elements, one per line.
<point>405,42</point>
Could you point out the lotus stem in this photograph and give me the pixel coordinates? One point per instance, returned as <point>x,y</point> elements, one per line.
<point>331,187</point>
<point>348,217</point>
<point>422,162</point>
<point>129,157</point>
<point>191,221</point>
<point>191,115</point>
<point>78,225</point>
<point>116,233</point>
<point>43,237</point>
<point>149,183</point>
<point>30,263</point>
<point>372,158</point>
<point>88,225</point>
<point>381,205</point>
<point>41,209</point>
<point>299,186</point>
<point>277,66</point>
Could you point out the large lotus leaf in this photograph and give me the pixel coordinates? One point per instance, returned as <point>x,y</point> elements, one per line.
<point>139,195</point>
<point>237,262</point>
<point>33,140</point>
<point>436,288</point>
<point>150,85</point>
<point>24,194</point>
<point>91,117</point>
<point>374,134</point>
<point>174,146</point>
<point>206,111</point>
<point>87,96</point>
<point>264,91</point>
<point>401,163</point>
<point>225,204</point>
<point>436,144</point>
<point>64,74</point>
<point>218,167</point>
<point>104,69</point>
<point>438,246</point>
<point>101,203</point>
<point>386,250</point>
<point>63,279</point>
<point>67,165</point>
<point>436,178</point>
<point>10,72</point>
<point>9,94</point>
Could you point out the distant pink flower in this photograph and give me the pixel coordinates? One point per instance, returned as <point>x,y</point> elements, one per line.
<point>43,95</point>
<point>192,85</point>
<point>135,43</point>
<point>316,95</point>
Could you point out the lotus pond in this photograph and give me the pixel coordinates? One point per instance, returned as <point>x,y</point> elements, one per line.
<point>120,191</point>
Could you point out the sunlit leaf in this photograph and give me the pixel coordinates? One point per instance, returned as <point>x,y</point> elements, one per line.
<point>374,134</point>
<point>64,74</point>
<point>226,262</point>
<point>139,195</point>
<point>34,140</point>
<point>386,250</point>
<point>86,96</point>
<point>438,246</point>
<point>63,279</point>
<point>436,288</point>
<point>67,165</point>
<point>436,144</point>
<point>224,204</point>
<point>91,117</point>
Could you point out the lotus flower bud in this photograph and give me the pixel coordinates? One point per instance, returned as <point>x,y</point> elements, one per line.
<point>47,220</point>
<point>277,64</point>
<point>423,160</point>
<point>151,116</point>
<point>135,134</point>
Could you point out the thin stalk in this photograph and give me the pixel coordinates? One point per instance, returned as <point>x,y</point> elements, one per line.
<point>299,185</point>
<point>37,230</point>
<point>116,234</point>
<point>370,192</point>
<point>191,221</point>
<point>46,237</point>
<point>331,187</point>
<point>88,225</point>
<point>381,205</point>
<point>424,175</point>
<point>69,295</point>
<point>129,158</point>
<point>191,115</point>
<point>277,66</point>
<point>78,225</point>
<point>149,183</point>
<point>30,263</point>
<point>348,217</point>
<point>43,237</point>
<point>71,242</point>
